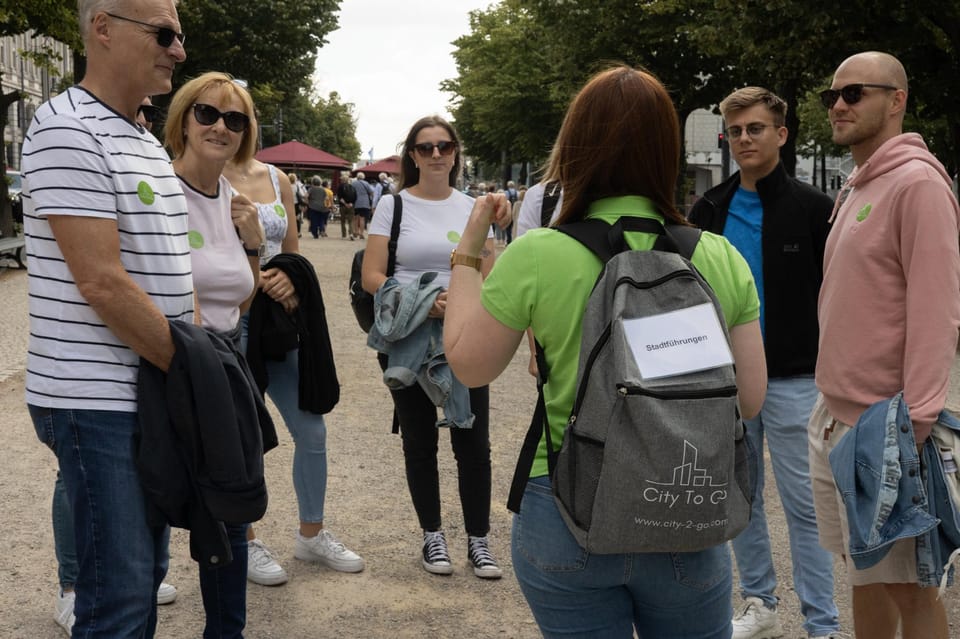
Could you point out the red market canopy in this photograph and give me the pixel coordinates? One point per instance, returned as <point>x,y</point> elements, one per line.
<point>389,165</point>
<point>295,155</point>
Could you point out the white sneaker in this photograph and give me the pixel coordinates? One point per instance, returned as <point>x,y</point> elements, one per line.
<point>836,634</point>
<point>262,568</point>
<point>166,594</point>
<point>63,610</point>
<point>327,550</point>
<point>755,621</point>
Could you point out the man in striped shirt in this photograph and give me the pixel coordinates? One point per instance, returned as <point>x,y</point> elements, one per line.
<point>106,227</point>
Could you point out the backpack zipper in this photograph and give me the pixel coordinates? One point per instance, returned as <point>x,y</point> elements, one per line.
<point>723,391</point>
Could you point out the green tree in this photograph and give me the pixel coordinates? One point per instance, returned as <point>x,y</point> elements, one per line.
<point>264,42</point>
<point>504,105</point>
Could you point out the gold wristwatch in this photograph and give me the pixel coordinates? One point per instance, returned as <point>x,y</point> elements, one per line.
<point>466,260</point>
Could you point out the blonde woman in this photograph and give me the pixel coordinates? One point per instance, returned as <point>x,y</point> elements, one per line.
<point>210,121</point>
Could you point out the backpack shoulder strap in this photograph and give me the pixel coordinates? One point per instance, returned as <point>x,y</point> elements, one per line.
<point>551,195</point>
<point>606,240</point>
<point>538,426</point>
<point>394,235</point>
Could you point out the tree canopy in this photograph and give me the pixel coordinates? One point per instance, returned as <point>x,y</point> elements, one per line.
<point>524,59</point>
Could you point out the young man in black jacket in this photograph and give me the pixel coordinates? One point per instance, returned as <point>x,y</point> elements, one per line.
<point>780,226</point>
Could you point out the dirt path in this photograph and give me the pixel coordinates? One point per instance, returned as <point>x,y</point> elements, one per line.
<point>367,506</point>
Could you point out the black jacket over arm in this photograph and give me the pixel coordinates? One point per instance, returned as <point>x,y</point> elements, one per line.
<point>203,430</point>
<point>794,233</point>
<point>272,332</point>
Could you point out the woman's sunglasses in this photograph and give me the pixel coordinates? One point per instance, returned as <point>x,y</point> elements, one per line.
<point>851,94</point>
<point>150,113</point>
<point>165,35</point>
<point>425,149</point>
<point>233,120</point>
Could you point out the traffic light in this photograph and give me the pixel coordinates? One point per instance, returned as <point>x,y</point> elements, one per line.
<point>720,140</point>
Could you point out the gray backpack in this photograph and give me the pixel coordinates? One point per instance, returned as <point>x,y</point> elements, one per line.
<point>646,465</point>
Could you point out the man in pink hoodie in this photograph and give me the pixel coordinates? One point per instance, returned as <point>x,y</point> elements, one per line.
<point>889,314</point>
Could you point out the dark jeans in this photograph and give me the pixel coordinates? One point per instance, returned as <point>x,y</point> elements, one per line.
<point>316,222</point>
<point>471,449</point>
<point>224,590</point>
<point>122,559</point>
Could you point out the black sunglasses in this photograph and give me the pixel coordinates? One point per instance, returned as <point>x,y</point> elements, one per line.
<point>150,113</point>
<point>851,94</point>
<point>233,120</point>
<point>426,148</point>
<point>165,35</point>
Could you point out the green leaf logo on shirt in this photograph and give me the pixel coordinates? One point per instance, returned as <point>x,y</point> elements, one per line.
<point>864,212</point>
<point>145,193</point>
<point>195,239</point>
<point>281,212</point>
<point>453,236</point>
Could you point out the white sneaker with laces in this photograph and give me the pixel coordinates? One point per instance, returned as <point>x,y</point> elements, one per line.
<point>436,559</point>
<point>484,565</point>
<point>262,568</point>
<point>63,610</point>
<point>755,621</point>
<point>326,549</point>
<point>836,634</point>
<point>166,594</point>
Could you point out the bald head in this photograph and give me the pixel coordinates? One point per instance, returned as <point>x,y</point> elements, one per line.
<point>876,67</point>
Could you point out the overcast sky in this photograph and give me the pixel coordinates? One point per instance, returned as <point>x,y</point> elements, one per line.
<point>388,58</point>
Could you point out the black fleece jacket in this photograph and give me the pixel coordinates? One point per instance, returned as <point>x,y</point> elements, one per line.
<point>202,432</point>
<point>272,333</point>
<point>794,233</point>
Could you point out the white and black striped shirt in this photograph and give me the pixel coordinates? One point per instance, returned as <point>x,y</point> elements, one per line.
<point>82,158</point>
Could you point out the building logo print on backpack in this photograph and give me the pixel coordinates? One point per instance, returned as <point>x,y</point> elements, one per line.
<point>649,463</point>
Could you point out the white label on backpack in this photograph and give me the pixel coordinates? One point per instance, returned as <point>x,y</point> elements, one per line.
<point>678,342</point>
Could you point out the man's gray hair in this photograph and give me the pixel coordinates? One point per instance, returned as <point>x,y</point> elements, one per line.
<point>86,9</point>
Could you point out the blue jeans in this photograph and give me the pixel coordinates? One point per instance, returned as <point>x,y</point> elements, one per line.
<point>122,559</point>
<point>63,543</point>
<point>224,590</point>
<point>783,418</point>
<point>308,430</point>
<point>573,593</point>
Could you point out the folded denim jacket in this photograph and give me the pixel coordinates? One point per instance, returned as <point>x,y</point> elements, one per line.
<point>889,495</point>
<point>413,343</point>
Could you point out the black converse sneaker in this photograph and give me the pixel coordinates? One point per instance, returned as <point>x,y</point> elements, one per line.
<point>436,559</point>
<point>484,565</point>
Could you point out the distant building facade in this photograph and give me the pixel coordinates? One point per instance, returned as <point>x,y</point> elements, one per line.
<point>35,83</point>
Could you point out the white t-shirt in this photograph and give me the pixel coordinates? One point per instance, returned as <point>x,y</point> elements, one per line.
<point>529,217</point>
<point>221,269</point>
<point>429,230</point>
<point>82,158</point>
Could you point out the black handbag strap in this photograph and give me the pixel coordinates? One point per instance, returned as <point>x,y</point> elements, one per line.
<point>551,195</point>
<point>394,234</point>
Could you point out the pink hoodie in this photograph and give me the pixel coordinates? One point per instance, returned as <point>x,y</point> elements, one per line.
<point>890,301</point>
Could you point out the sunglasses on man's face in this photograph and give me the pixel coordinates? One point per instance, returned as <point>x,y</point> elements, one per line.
<point>851,94</point>
<point>165,35</point>
<point>150,113</point>
<point>233,120</point>
<point>425,149</point>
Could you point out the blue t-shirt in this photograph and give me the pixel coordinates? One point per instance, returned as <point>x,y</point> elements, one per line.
<point>744,229</point>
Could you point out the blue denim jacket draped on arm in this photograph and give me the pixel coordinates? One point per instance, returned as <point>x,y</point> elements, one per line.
<point>413,343</point>
<point>889,495</point>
